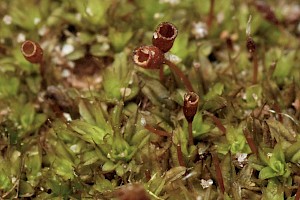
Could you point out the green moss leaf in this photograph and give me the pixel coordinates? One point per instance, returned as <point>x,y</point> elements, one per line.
<point>5,181</point>
<point>27,115</point>
<point>266,173</point>
<point>9,86</point>
<point>200,127</point>
<point>88,132</point>
<point>64,168</point>
<point>214,91</point>
<point>273,191</point>
<point>25,189</point>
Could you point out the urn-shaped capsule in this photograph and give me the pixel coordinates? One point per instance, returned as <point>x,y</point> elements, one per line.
<point>32,51</point>
<point>164,36</point>
<point>148,57</point>
<point>190,105</point>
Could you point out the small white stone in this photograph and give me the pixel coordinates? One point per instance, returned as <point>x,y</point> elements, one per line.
<point>21,37</point>
<point>199,198</point>
<point>65,73</point>
<point>33,153</point>
<point>36,20</point>
<point>199,30</point>
<point>143,121</point>
<point>42,31</point>
<point>171,2</point>
<point>241,158</point>
<point>206,183</point>
<point>7,19</point>
<point>122,154</point>
<point>269,155</point>
<point>89,11</point>
<point>13,179</point>
<point>244,96</point>
<point>78,16</point>
<point>125,91</point>
<point>71,64</point>
<point>173,58</point>
<point>255,97</point>
<point>67,116</point>
<point>158,15</point>
<point>74,148</point>
<point>220,17</point>
<point>67,49</point>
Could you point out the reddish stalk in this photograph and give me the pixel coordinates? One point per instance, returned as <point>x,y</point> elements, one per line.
<point>229,45</point>
<point>250,142</point>
<point>278,111</point>
<point>190,129</point>
<point>147,175</point>
<point>217,122</point>
<point>255,69</point>
<point>180,74</point>
<point>297,197</point>
<point>179,155</point>
<point>211,13</point>
<point>161,74</point>
<point>251,46</point>
<point>218,171</point>
<point>156,131</point>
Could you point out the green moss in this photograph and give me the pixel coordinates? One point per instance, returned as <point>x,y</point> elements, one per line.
<point>73,127</point>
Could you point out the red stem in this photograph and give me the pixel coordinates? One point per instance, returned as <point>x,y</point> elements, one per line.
<point>255,68</point>
<point>190,129</point>
<point>180,74</point>
<point>278,110</point>
<point>211,13</point>
<point>161,74</point>
<point>180,156</point>
<point>43,74</point>
<point>217,122</point>
<point>156,131</point>
<point>297,197</point>
<point>218,171</point>
<point>147,175</point>
<point>250,142</point>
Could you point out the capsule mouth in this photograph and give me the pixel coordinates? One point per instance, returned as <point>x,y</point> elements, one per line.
<point>191,98</point>
<point>28,48</point>
<point>167,30</point>
<point>141,56</point>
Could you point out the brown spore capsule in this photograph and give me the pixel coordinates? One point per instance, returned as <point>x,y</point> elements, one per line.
<point>148,57</point>
<point>164,36</point>
<point>251,46</point>
<point>32,51</point>
<point>190,105</point>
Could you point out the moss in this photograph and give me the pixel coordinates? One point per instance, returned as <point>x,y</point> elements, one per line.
<point>86,122</point>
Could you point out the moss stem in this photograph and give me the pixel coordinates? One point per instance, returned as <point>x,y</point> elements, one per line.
<point>190,129</point>
<point>156,131</point>
<point>255,68</point>
<point>218,171</point>
<point>179,155</point>
<point>180,74</point>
